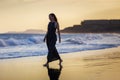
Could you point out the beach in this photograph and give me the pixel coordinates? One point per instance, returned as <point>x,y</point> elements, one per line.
<point>102,64</point>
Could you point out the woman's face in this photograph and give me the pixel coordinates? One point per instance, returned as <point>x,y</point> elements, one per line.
<point>51,18</point>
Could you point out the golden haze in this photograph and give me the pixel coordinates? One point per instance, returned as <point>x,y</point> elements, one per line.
<point>19,15</point>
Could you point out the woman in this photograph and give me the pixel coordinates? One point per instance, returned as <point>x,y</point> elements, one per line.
<point>51,39</point>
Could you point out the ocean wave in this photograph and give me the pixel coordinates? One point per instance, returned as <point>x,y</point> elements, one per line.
<point>36,40</point>
<point>84,39</point>
<point>32,45</point>
<point>15,42</point>
<point>2,43</point>
<point>75,41</point>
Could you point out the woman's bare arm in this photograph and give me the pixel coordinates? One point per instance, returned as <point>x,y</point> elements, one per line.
<point>58,29</point>
<point>45,37</point>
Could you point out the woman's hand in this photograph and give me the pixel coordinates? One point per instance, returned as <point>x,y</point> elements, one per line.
<point>44,40</point>
<point>59,40</point>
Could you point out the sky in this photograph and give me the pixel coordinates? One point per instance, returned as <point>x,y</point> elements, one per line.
<point>20,15</point>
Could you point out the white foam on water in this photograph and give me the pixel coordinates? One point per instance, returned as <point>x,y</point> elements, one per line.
<point>15,47</point>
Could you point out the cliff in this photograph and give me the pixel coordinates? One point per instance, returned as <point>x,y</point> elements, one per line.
<point>95,26</point>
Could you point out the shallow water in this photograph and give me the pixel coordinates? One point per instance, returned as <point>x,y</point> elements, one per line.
<point>25,45</point>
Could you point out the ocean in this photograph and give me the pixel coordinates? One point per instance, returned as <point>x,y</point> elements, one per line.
<point>26,45</point>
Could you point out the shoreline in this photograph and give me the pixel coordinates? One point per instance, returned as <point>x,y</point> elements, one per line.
<point>85,65</point>
<point>59,54</point>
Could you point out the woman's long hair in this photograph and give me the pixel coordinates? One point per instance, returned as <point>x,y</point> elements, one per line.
<point>52,14</point>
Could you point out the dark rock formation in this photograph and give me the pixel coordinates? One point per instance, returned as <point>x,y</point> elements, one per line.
<point>95,26</point>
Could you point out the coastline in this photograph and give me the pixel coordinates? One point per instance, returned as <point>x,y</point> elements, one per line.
<point>85,65</point>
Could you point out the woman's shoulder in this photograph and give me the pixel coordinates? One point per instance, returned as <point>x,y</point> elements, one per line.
<point>53,22</point>
<point>56,23</point>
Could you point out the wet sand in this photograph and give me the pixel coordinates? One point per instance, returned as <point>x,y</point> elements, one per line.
<point>86,65</point>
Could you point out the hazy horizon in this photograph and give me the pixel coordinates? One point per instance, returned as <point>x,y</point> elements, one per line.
<point>20,15</point>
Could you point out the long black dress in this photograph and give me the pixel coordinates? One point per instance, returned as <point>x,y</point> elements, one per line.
<point>51,41</point>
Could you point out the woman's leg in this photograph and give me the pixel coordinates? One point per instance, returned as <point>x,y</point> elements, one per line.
<point>47,63</point>
<point>52,53</point>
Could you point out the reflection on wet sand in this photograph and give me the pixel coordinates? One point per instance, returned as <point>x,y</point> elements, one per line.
<point>54,73</point>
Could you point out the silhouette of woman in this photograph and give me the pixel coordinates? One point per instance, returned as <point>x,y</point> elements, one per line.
<point>51,39</point>
<point>54,74</point>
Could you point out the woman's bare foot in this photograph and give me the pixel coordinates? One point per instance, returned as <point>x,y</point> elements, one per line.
<point>60,61</point>
<point>46,64</point>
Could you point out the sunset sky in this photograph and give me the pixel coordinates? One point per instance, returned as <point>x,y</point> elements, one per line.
<point>19,15</point>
